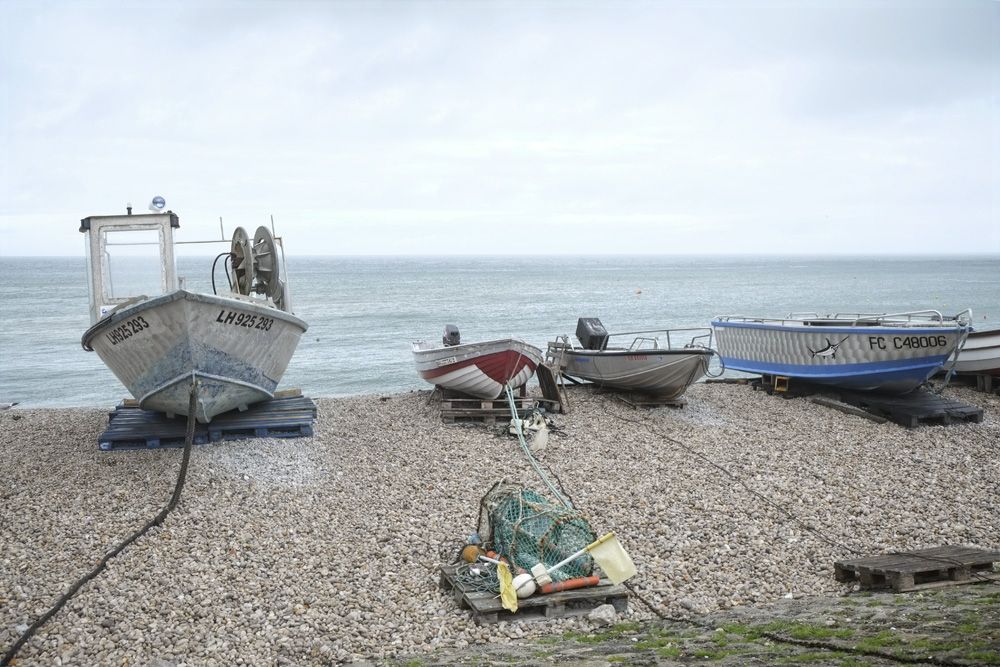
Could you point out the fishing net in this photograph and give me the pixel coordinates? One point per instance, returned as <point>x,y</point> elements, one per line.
<point>527,529</point>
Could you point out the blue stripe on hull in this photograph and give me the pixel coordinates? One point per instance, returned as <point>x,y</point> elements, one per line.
<point>901,375</point>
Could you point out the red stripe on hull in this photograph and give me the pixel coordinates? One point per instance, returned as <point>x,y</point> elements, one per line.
<point>498,366</point>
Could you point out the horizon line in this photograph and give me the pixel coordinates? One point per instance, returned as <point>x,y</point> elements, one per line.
<point>922,253</point>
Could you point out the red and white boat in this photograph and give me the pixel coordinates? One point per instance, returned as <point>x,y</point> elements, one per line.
<point>981,354</point>
<point>478,369</point>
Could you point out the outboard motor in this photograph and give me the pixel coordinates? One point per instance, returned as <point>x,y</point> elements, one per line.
<point>451,335</point>
<point>591,333</point>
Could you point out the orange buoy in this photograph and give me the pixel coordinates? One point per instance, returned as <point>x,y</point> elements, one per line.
<point>470,554</point>
<point>569,584</point>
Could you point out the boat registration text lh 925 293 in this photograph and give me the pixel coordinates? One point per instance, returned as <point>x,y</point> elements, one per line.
<point>245,320</point>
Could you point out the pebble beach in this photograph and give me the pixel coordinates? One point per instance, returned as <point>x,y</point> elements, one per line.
<point>326,549</point>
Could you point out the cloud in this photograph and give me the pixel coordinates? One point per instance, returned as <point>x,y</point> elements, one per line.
<point>741,119</point>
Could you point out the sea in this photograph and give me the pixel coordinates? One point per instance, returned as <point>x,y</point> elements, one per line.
<point>364,312</point>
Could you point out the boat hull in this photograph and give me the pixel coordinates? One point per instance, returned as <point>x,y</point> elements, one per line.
<point>980,355</point>
<point>663,373</point>
<point>480,370</point>
<point>235,349</point>
<point>877,358</point>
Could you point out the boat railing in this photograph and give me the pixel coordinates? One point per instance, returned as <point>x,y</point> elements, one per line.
<point>702,340</point>
<point>641,341</point>
<point>652,339</point>
<point>917,317</point>
<point>914,318</point>
<point>922,316</point>
<point>745,319</point>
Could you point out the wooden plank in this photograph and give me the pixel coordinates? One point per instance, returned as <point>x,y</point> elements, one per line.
<point>496,405</point>
<point>478,411</point>
<point>984,561</point>
<point>785,387</point>
<point>942,555</point>
<point>286,393</point>
<point>943,583</point>
<point>474,410</point>
<point>923,568</point>
<point>487,609</point>
<point>469,419</point>
<point>847,409</point>
<point>547,381</point>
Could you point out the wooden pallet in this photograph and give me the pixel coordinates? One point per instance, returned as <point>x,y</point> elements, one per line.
<point>981,381</point>
<point>478,411</point>
<point>288,415</point>
<point>487,609</point>
<point>917,408</point>
<point>921,569</point>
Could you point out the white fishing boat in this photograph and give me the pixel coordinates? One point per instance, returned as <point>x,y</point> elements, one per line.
<point>158,337</point>
<point>659,362</point>
<point>480,370</point>
<point>893,353</point>
<point>980,355</point>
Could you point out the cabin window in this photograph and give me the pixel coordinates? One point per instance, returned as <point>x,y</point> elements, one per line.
<point>131,263</point>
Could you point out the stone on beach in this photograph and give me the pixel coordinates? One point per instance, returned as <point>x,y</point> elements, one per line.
<point>325,549</point>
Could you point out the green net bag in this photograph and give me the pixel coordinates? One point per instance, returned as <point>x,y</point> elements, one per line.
<point>527,529</point>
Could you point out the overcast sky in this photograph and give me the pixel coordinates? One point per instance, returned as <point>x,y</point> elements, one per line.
<point>508,127</point>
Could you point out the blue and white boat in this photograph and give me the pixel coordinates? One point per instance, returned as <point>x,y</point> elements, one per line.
<point>892,353</point>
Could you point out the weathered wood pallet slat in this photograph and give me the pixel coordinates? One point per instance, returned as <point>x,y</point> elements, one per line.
<point>499,405</point>
<point>486,607</point>
<point>921,569</point>
<point>548,382</point>
<point>484,411</point>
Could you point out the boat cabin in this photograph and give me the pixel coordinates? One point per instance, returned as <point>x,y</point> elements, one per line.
<point>128,256</point>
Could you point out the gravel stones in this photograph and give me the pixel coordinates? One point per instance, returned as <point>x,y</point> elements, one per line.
<point>325,550</point>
